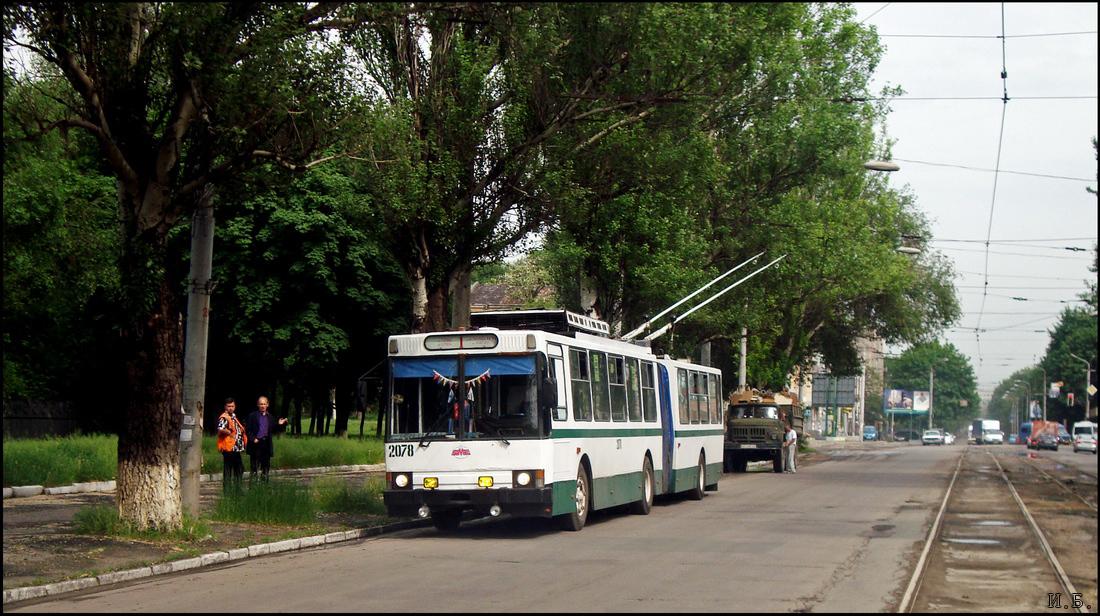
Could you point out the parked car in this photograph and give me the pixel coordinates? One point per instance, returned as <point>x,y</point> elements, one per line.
<point>931,437</point>
<point>906,435</point>
<point>1046,441</point>
<point>1084,442</point>
<point>1013,439</point>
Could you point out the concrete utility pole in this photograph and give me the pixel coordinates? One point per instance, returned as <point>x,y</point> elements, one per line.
<point>194,357</point>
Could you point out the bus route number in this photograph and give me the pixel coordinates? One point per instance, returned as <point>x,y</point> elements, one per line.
<point>401,450</point>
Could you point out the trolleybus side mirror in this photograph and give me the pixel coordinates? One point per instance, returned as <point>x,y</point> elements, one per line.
<point>548,396</point>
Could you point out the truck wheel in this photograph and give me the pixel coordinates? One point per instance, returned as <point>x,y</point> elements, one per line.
<point>575,520</point>
<point>777,462</point>
<point>643,506</point>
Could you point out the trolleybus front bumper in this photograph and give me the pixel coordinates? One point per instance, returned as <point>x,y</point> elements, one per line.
<point>525,502</point>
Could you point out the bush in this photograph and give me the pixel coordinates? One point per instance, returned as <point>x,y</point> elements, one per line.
<point>335,495</point>
<point>267,502</point>
<point>104,521</point>
<point>59,461</point>
<point>62,461</point>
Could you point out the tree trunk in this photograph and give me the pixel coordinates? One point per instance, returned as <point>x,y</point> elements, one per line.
<point>148,479</point>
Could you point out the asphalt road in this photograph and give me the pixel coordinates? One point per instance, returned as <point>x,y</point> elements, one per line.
<point>839,536</point>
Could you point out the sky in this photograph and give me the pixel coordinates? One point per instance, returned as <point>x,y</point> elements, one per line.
<point>1002,184</point>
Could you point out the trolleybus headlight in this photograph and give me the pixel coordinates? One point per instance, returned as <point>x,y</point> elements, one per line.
<point>528,479</point>
<point>431,482</point>
<point>401,480</point>
<point>484,482</point>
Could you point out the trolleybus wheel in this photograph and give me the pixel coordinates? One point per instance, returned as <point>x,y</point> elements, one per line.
<point>447,519</point>
<point>696,493</point>
<point>575,520</point>
<point>643,506</point>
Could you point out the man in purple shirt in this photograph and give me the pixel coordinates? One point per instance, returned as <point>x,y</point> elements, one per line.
<point>259,427</point>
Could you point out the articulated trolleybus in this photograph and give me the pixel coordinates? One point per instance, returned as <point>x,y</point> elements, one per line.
<point>539,413</point>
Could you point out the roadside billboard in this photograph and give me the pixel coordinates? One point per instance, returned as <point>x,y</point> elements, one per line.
<point>905,402</point>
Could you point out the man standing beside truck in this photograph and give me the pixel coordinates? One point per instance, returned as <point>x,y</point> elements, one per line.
<point>790,448</point>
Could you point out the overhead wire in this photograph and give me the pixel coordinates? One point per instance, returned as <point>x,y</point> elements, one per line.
<point>996,177</point>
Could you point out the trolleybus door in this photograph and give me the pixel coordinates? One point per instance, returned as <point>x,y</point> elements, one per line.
<point>667,429</point>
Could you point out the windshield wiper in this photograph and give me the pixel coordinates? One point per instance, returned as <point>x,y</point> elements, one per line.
<point>484,423</point>
<point>434,427</point>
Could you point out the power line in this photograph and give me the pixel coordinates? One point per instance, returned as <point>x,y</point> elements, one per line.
<point>1038,175</point>
<point>980,36</point>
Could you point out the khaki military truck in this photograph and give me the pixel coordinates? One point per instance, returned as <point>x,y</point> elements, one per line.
<point>755,427</point>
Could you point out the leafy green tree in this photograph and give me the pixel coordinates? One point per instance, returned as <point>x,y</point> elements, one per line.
<point>60,275</point>
<point>177,96</point>
<point>306,296</point>
<point>945,371</point>
<point>1074,334</point>
<point>485,105</point>
<point>772,166</point>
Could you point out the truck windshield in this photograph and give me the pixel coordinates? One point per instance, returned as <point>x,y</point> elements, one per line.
<point>754,411</point>
<point>495,398</point>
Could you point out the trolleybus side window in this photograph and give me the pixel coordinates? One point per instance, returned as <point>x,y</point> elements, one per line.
<point>633,399</point>
<point>682,380</point>
<point>616,377</point>
<point>693,413</point>
<point>557,372</point>
<point>715,407</point>
<point>649,393</point>
<point>582,386</point>
<point>601,407</point>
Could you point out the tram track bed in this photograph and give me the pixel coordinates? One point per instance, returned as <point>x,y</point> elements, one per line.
<point>986,555</point>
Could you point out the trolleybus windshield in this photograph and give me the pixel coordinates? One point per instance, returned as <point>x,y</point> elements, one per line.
<point>470,397</point>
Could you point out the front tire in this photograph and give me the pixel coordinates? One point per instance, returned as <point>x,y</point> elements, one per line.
<point>575,521</point>
<point>643,507</point>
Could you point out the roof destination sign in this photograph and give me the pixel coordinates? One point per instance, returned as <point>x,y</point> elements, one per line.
<point>457,341</point>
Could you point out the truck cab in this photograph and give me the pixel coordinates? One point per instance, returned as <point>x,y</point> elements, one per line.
<point>755,426</point>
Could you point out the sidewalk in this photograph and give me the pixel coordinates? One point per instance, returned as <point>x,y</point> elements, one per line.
<point>44,557</point>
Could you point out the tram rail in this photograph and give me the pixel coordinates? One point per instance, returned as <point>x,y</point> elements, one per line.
<point>986,550</point>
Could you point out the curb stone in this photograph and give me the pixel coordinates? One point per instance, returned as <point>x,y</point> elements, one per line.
<point>25,593</point>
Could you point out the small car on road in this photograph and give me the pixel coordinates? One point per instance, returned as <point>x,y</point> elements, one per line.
<point>931,437</point>
<point>1084,442</point>
<point>1046,441</point>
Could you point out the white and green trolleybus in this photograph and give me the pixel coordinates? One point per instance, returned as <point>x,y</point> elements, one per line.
<point>540,413</point>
